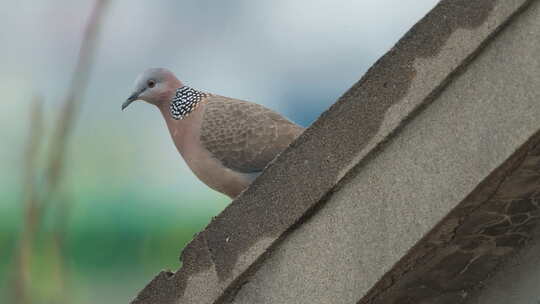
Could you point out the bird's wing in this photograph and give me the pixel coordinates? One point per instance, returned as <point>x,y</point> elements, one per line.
<point>244,136</point>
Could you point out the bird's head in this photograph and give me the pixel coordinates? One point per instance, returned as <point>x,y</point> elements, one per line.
<point>155,86</point>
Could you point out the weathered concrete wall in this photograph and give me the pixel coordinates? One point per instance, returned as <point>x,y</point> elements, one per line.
<point>391,201</point>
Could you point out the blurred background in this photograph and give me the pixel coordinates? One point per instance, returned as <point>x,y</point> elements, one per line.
<point>94,201</point>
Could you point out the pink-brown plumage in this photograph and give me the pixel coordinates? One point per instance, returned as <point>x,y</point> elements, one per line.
<point>225,141</point>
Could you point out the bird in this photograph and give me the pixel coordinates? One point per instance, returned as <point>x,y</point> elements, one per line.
<point>226,142</point>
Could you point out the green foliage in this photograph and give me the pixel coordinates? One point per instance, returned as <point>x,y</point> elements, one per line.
<point>114,245</point>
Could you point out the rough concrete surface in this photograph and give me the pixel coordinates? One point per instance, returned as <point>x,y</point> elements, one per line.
<point>390,202</point>
<point>293,237</point>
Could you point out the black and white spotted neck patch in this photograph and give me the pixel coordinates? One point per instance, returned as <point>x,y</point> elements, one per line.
<point>185,101</point>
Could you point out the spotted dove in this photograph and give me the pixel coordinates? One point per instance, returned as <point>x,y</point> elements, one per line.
<point>225,141</point>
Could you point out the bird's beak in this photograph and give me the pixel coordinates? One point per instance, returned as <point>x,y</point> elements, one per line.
<point>131,99</point>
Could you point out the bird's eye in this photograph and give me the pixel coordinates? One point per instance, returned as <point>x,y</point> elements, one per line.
<point>151,83</point>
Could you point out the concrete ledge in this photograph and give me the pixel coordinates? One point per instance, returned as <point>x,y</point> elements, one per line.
<point>406,80</point>
<point>441,164</point>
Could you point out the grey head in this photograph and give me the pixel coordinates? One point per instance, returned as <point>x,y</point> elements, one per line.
<point>155,86</point>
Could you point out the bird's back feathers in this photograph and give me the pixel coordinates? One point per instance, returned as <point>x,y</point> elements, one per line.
<point>244,136</point>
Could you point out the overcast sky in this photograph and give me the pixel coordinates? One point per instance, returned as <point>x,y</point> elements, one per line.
<point>294,56</point>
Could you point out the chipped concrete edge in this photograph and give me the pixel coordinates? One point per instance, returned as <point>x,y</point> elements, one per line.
<point>395,89</point>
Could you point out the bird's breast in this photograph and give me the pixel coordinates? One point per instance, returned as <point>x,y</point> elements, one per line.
<point>186,135</point>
